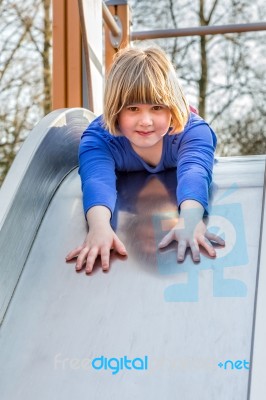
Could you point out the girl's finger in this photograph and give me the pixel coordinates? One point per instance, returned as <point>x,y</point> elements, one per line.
<point>119,246</point>
<point>105,258</point>
<point>91,257</point>
<point>181,249</point>
<point>166,240</point>
<point>215,238</point>
<point>204,242</point>
<point>81,259</point>
<point>74,253</point>
<point>195,251</point>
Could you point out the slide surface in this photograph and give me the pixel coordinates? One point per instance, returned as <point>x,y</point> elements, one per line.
<point>150,328</point>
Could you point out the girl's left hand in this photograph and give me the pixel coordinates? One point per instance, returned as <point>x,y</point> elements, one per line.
<point>191,232</point>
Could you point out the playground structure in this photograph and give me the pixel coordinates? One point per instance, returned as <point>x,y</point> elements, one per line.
<point>201,327</point>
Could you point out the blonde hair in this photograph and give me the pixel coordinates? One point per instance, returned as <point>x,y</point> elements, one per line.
<point>143,76</point>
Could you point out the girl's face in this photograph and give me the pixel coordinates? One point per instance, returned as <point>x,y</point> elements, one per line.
<point>144,124</point>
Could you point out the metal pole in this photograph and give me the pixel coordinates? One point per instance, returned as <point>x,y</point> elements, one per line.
<point>198,31</point>
<point>110,21</point>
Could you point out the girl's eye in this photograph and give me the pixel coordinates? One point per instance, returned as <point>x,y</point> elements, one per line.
<point>132,108</point>
<point>157,108</point>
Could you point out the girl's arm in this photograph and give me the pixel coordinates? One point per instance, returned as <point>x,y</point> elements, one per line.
<point>97,168</point>
<point>99,241</point>
<point>195,159</point>
<point>97,172</point>
<point>194,175</point>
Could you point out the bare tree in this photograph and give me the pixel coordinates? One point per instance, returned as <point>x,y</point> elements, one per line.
<point>25,72</point>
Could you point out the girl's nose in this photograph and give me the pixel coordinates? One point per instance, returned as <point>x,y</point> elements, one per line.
<point>146,120</point>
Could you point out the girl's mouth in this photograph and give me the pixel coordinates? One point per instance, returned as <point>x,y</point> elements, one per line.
<point>143,133</point>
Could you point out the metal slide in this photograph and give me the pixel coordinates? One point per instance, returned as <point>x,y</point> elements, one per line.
<point>149,328</point>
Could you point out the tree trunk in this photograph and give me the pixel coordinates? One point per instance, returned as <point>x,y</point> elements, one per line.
<point>203,81</point>
<point>47,35</point>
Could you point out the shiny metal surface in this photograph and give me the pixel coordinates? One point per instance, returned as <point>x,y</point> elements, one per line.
<point>257,377</point>
<point>184,318</point>
<point>46,157</point>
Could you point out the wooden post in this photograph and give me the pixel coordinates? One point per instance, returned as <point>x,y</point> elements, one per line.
<point>120,8</point>
<point>67,55</point>
<point>74,56</point>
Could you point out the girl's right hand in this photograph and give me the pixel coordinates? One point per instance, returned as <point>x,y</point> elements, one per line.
<point>99,241</point>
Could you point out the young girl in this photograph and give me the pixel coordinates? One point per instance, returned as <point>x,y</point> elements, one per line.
<point>146,125</point>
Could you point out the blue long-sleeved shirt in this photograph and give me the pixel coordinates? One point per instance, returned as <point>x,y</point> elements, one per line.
<point>101,154</point>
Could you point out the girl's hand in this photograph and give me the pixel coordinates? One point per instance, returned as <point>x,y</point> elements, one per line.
<point>190,231</point>
<point>99,241</point>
